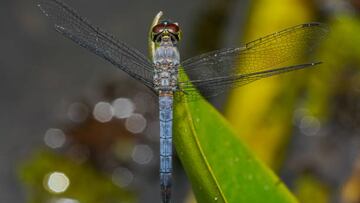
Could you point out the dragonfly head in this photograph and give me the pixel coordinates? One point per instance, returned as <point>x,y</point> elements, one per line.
<point>166,30</point>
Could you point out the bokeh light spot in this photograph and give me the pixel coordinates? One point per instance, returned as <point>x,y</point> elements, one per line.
<point>310,125</point>
<point>142,154</point>
<point>123,108</point>
<point>64,200</point>
<point>57,182</point>
<point>136,123</point>
<point>103,112</point>
<point>122,177</point>
<point>54,138</point>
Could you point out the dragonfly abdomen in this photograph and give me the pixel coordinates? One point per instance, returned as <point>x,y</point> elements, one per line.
<point>166,117</point>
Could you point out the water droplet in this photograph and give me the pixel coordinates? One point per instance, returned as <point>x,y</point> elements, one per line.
<point>216,198</point>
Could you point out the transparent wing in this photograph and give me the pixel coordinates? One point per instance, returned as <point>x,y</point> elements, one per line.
<point>214,72</point>
<point>214,86</point>
<point>73,26</point>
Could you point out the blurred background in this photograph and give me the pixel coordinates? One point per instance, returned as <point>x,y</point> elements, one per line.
<point>74,129</point>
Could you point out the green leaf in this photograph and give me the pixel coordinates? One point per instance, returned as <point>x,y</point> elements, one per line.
<point>219,166</point>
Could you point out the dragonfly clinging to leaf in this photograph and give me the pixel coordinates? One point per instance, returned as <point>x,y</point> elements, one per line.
<point>212,73</point>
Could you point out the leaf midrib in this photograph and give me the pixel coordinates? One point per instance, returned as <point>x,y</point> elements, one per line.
<point>193,133</point>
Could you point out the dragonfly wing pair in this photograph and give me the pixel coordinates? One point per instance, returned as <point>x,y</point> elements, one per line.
<point>212,73</point>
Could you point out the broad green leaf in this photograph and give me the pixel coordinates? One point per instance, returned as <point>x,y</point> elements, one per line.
<point>219,166</point>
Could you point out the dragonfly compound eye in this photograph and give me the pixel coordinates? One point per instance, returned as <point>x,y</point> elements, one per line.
<point>173,28</point>
<point>159,28</point>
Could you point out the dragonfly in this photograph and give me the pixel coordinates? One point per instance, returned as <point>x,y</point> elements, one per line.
<point>212,73</point>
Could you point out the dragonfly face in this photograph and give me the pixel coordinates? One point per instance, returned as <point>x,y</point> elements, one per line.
<point>166,29</point>
<point>166,58</point>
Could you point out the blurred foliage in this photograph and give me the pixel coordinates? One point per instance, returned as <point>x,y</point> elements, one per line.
<point>340,72</point>
<point>86,184</point>
<point>337,97</point>
<point>261,111</point>
<point>309,188</point>
<point>350,190</point>
<point>210,19</point>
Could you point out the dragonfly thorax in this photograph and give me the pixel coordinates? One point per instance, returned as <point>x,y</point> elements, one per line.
<point>166,61</point>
